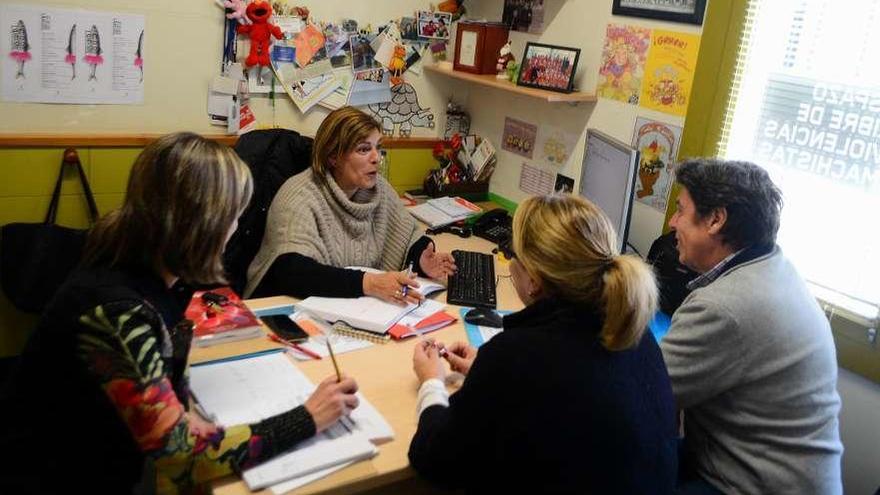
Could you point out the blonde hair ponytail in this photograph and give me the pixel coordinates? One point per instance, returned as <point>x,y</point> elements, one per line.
<point>629,298</point>
<point>570,245</point>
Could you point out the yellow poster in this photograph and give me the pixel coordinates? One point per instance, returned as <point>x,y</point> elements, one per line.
<point>669,72</point>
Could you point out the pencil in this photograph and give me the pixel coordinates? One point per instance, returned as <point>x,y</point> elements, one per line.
<point>335,364</point>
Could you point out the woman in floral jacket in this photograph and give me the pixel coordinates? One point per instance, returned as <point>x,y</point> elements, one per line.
<point>99,398</point>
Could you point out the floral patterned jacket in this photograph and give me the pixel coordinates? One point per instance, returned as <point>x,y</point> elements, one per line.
<point>107,338</point>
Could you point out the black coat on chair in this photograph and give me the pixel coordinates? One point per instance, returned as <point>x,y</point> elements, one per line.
<point>273,155</point>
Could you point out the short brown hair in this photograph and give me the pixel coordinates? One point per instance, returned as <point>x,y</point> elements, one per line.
<point>569,244</point>
<point>339,134</point>
<point>184,193</point>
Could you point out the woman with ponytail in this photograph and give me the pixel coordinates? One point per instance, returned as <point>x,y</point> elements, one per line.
<point>573,395</point>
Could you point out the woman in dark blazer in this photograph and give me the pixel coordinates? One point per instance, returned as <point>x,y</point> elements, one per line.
<point>573,396</point>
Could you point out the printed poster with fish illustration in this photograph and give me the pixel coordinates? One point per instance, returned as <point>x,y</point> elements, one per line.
<point>669,72</point>
<point>657,143</point>
<point>53,55</point>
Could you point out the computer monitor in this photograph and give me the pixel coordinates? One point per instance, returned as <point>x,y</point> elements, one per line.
<point>608,178</point>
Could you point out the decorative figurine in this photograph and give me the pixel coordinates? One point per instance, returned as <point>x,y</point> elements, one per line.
<point>504,58</point>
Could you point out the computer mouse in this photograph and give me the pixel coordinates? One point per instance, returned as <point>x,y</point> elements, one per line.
<point>483,317</point>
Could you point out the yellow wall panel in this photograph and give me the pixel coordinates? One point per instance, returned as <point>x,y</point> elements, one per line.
<point>110,169</point>
<point>32,172</point>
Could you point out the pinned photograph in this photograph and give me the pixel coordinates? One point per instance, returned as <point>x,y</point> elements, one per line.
<point>336,44</point>
<point>434,25</point>
<point>362,55</point>
<point>524,15</point>
<point>409,29</point>
<point>564,184</point>
<point>548,67</point>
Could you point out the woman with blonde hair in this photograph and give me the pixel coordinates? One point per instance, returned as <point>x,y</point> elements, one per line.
<point>100,395</point>
<point>573,396</point>
<point>341,213</point>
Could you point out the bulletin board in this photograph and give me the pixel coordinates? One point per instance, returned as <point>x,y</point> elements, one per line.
<point>182,52</point>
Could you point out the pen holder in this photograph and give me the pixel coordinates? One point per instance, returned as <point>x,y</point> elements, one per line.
<point>471,191</point>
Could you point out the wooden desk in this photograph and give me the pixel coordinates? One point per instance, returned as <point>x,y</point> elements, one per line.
<point>384,375</point>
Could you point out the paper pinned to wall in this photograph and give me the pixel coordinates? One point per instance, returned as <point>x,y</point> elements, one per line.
<point>657,143</point>
<point>669,72</point>
<point>53,55</point>
<point>519,137</point>
<point>534,180</point>
<point>623,62</point>
<point>555,144</point>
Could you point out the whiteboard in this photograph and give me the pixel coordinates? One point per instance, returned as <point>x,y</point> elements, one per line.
<point>184,44</point>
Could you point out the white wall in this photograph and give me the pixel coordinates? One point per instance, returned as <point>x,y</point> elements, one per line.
<point>575,23</point>
<point>183,50</point>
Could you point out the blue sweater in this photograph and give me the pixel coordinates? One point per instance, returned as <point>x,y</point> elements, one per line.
<point>547,409</point>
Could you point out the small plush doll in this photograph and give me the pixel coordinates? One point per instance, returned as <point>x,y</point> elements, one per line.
<point>504,58</point>
<point>235,10</point>
<point>260,32</point>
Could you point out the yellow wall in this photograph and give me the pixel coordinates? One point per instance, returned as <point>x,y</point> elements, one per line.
<point>27,178</point>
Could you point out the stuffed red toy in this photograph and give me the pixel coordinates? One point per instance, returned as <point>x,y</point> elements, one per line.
<point>260,32</point>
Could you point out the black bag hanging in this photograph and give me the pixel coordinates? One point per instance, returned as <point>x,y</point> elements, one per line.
<point>35,258</point>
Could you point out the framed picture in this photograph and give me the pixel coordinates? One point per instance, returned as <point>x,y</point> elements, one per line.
<point>548,67</point>
<point>687,11</point>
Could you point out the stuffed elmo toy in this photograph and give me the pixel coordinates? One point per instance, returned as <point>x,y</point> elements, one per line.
<point>259,32</point>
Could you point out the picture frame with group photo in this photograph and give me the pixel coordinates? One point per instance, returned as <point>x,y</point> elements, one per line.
<point>434,25</point>
<point>685,11</point>
<point>548,67</point>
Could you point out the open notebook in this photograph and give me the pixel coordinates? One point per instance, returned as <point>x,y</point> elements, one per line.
<point>366,313</point>
<point>246,391</point>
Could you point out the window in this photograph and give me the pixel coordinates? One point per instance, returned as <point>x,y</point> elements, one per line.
<point>805,104</point>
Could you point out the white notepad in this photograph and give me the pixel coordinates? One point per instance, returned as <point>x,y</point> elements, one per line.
<point>246,391</point>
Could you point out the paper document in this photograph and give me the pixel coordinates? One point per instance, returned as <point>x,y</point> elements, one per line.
<point>442,211</point>
<point>246,391</point>
<point>366,312</point>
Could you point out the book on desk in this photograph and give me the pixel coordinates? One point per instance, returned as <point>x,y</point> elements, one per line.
<point>220,316</point>
<point>443,211</point>
<point>374,315</point>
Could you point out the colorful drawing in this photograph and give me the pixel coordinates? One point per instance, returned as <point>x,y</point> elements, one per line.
<point>21,49</point>
<point>402,112</point>
<point>669,72</point>
<point>139,55</point>
<point>658,146</point>
<point>555,144</point>
<point>70,59</point>
<point>93,51</point>
<point>519,137</point>
<point>623,63</point>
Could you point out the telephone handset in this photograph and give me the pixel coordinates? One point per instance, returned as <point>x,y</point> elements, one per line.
<point>494,226</point>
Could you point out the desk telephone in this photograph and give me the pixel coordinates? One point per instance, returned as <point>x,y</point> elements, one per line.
<point>494,226</point>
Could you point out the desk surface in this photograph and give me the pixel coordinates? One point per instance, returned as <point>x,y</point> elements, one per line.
<point>384,375</point>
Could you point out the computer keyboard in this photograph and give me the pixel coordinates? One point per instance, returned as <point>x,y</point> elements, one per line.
<point>474,282</point>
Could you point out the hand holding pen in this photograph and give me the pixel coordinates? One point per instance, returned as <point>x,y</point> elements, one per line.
<point>394,287</point>
<point>333,399</point>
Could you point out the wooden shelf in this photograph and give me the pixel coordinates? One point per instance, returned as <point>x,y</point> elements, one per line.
<point>141,140</point>
<point>493,82</point>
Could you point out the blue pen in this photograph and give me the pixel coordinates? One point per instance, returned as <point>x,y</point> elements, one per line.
<point>408,276</point>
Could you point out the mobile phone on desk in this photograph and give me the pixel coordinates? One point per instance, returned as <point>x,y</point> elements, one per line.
<point>285,328</point>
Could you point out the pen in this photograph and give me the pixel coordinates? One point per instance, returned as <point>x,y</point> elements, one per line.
<point>294,345</point>
<point>408,276</point>
<point>335,365</point>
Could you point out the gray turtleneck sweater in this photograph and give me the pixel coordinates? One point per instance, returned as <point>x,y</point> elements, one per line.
<point>317,220</point>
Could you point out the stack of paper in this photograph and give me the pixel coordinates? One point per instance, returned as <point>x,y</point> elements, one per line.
<point>246,391</point>
<point>442,211</point>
